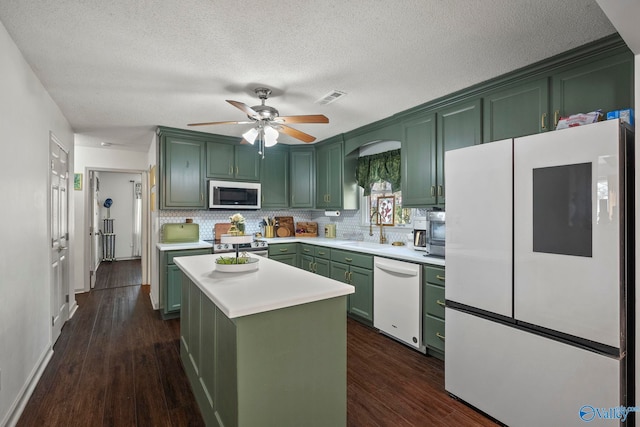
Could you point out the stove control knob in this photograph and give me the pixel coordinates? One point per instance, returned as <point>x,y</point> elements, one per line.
<point>219,247</point>
<point>226,246</point>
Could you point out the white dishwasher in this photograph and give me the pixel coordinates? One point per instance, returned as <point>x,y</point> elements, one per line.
<point>397,299</point>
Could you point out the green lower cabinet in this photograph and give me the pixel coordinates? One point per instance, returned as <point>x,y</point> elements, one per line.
<point>315,259</point>
<point>355,269</point>
<point>286,253</point>
<point>279,368</point>
<point>171,281</point>
<point>433,303</point>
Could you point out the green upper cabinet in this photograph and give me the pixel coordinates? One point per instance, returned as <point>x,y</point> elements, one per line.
<point>418,158</point>
<point>274,178</point>
<point>605,84</point>
<point>302,177</point>
<point>182,183</point>
<point>232,161</point>
<point>459,126</point>
<point>516,111</point>
<point>329,176</point>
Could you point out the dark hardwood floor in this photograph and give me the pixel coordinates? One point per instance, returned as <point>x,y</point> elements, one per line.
<point>117,363</point>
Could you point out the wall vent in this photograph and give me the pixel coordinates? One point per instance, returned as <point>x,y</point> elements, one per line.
<point>332,96</point>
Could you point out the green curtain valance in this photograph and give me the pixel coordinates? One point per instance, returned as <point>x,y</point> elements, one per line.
<point>379,167</point>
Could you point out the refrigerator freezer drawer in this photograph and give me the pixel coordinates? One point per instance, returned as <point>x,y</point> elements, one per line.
<point>522,379</point>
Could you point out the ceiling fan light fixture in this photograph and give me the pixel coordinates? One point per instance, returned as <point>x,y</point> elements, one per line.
<point>251,135</point>
<point>270,136</point>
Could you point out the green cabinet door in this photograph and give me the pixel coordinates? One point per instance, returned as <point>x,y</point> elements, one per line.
<point>247,163</point>
<point>361,302</point>
<point>459,126</point>
<point>303,177</point>
<point>220,160</point>
<point>418,159</point>
<point>306,262</point>
<point>227,160</point>
<point>290,259</point>
<point>605,84</point>
<point>174,288</point>
<point>329,176</point>
<point>274,177</point>
<point>322,267</point>
<point>182,173</point>
<point>516,111</point>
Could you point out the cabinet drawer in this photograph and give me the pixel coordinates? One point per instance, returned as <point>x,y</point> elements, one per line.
<point>433,300</point>
<point>434,275</point>
<point>324,253</point>
<point>306,249</point>
<point>283,248</point>
<point>433,333</point>
<point>352,258</point>
<point>187,252</point>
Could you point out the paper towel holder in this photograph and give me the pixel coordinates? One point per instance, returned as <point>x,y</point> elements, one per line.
<point>331,213</point>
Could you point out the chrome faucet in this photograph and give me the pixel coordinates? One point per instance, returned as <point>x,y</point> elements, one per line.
<point>382,238</point>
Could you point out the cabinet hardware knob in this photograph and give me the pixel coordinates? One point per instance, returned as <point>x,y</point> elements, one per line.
<point>321,253</point>
<point>284,250</point>
<point>306,250</point>
<point>556,118</point>
<point>346,273</point>
<point>433,190</point>
<point>201,197</point>
<point>440,302</point>
<point>439,277</point>
<point>348,259</point>
<point>310,266</point>
<point>440,336</point>
<point>350,276</point>
<point>237,170</point>
<point>543,121</point>
<point>440,190</point>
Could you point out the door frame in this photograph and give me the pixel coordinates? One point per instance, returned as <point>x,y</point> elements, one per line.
<point>88,218</point>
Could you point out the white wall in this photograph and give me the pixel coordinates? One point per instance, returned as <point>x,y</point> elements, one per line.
<point>103,159</point>
<point>27,115</point>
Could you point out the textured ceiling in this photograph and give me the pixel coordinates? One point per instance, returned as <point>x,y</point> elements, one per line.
<point>118,69</point>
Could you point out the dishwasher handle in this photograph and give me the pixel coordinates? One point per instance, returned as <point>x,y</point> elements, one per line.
<point>396,269</point>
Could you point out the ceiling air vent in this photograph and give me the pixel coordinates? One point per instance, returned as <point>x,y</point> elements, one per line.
<point>331,97</point>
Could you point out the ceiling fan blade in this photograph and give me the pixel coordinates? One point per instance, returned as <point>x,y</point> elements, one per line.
<point>244,107</point>
<point>296,133</point>
<point>312,118</point>
<point>217,123</point>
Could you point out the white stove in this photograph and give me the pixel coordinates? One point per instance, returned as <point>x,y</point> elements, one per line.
<point>260,246</point>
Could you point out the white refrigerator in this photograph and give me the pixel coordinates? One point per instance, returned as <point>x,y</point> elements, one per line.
<point>539,259</point>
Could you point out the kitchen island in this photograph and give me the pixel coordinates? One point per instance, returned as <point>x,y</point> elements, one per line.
<point>266,347</point>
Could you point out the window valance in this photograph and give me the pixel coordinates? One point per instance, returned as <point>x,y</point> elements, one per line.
<point>379,167</point>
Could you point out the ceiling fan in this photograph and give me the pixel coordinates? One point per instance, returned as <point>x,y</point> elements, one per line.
<point>268,122</point>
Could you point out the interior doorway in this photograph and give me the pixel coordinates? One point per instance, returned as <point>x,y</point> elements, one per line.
<point>118,226</point>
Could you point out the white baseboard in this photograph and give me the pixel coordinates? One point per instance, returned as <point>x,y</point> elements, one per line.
<point>73,309</point>
<point>154,304</point>
<point>27,390</point>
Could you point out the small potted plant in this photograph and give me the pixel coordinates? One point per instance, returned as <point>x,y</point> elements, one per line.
<point>237,224</point>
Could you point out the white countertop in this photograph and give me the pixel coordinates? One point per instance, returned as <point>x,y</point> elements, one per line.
<point>402,253</point>
<point>272,286</point>
<point>182,246</point>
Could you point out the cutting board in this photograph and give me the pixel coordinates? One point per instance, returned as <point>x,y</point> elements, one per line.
<point>219,229</point>
<point>180,233</point>
<point>285,226</point>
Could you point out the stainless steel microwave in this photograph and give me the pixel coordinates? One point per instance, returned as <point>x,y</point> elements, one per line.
<point>234,195</point>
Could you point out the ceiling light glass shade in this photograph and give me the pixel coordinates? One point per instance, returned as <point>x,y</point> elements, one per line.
<point>250,135</point>
<point>270,136</point>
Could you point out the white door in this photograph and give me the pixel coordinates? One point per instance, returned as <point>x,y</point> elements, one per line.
<point>59,175</point>
<point>479,233</point>
<point>567,241</point>
<point>94,229</point>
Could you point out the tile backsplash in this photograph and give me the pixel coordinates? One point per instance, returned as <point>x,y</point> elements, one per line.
<point>348,225</point>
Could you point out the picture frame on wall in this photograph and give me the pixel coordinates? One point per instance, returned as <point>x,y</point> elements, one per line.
<point>386,209</point>
<point>77,181</point>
